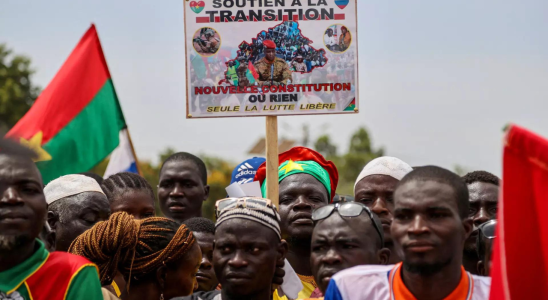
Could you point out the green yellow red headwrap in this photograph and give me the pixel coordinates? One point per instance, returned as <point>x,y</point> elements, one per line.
<point>303,160</point>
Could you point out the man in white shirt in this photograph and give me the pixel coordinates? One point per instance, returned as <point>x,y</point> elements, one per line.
<point>429,230</point>
<point>330,40</point>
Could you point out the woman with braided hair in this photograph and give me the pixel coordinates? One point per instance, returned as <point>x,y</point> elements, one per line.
<point>131,193</point>
<point>157,257</point>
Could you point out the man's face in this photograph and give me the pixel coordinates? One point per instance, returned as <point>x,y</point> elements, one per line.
<point>245,257</point>
<point>300,194</point>
<point>270,54</point>
<point>23,206</point>
<point>484,199</point>
<point>83,211</point>
<point>341,243</point>
<point>377,193</point>
<point>427,230</point>
<point>207,281</point>
<point>300,60</point>
<point>329,33</point>
<point>138,203</point>
<point>181,191</point>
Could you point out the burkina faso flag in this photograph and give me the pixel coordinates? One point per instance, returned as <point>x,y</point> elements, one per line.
<point>75,122</point>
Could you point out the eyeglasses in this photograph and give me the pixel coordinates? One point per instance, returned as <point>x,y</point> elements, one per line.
<point>253,203</point>
<point>487,229</point>
<point>346,209</point>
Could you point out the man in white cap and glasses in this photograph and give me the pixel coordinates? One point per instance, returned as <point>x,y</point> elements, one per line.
<point>375,188</point>
<point>75,204</point>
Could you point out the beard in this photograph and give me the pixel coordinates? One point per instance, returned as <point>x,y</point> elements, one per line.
<point>12,242</point>
<point>424,269</point>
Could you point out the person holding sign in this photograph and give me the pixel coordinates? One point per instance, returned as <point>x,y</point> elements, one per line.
<point>307,181</point>
<point>271,69</point>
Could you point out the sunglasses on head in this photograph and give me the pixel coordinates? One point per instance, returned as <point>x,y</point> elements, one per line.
<point>244,202</point>
<point>346,209</point>
<point>487,229</point>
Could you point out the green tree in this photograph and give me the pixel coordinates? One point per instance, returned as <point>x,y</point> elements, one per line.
<point>325,147</point>
<point>359,154</point>
<point>17,93</point>
<point>350,164</point>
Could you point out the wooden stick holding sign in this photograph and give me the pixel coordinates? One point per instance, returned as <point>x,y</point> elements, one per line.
<point>272,160</point>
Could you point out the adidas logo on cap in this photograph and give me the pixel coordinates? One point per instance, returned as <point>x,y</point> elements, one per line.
<point>245,166</point>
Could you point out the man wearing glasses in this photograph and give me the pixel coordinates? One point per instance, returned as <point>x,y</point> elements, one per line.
<point>346,234</point>
<point>484,197</point>
<point>430,227</point>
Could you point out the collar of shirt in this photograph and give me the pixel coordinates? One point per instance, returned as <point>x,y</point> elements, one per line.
<point>11,279</point>
<point>398,290</point>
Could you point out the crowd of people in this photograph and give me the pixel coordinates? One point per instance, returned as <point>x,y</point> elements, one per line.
<point>407,233</point>
<point>290,44</point>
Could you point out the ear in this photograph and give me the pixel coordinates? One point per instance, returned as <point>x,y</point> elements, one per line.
<point>53,220</point>
<point>51,240</point>
<point>468,225</point>
<point>283,248</point>
<point>161,274</point>
<point>383,256</point>
<point>206,192</point>
<point>481,268</point>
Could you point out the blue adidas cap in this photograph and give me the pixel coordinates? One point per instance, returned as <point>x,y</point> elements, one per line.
<point>245,172</point>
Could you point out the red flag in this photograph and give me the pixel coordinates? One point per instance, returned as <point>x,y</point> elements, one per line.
<point>253,71</point>
<point>520,258</point>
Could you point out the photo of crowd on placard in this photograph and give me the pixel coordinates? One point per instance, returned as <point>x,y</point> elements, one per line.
<point>291,46</point>
<point>337,38</point>
<point>206,41</point>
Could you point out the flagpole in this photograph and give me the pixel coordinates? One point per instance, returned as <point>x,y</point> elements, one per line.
<point>133,152</point>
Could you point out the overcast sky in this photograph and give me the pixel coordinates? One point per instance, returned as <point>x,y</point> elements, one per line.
<point>438,79</point>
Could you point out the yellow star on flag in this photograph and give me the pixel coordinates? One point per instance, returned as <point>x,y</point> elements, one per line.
<point>35,144</point>
<point>291,165</point>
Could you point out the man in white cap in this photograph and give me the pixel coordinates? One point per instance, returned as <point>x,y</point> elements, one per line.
<point>375,188</point>
<point>75,204</point>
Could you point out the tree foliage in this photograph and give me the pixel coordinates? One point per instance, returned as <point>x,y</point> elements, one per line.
<point>17,93</point>
<point>350,164</point>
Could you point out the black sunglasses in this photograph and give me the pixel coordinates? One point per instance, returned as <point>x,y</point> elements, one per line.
<point>487,229</point>
<point>346,209</point>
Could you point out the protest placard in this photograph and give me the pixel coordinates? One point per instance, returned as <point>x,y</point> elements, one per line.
<point>271,57</point>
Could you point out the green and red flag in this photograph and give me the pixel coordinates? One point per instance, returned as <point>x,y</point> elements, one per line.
<point>351,106</point>
<point>77,120</point>
<point>251,73</point>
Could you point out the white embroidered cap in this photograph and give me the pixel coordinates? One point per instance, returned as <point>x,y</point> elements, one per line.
<point>70,185</point>
<point>385,165</point>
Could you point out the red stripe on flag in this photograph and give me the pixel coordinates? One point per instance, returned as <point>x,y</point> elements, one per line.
<point>202,19</point>
<point>339,16</point>
<point>82,75</point>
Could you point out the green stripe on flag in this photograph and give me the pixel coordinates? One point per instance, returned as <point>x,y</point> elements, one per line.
<point>90,137</point>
